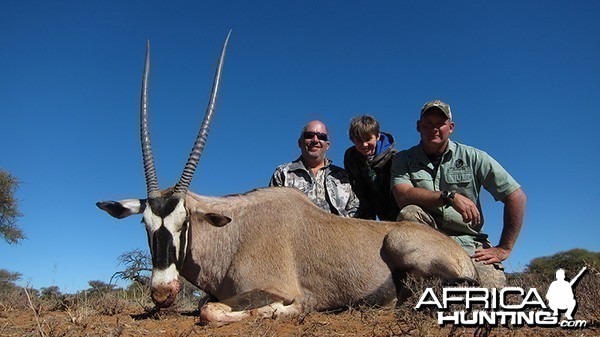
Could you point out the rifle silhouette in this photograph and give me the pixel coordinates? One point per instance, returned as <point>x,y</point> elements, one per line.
<point>574,279</point>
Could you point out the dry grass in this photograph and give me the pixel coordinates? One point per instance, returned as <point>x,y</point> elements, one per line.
<point>127,314</point>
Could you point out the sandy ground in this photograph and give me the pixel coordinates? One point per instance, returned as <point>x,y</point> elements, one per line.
<point>354,322</point>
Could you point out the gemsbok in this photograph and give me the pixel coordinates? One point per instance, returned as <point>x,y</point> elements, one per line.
<point>271,251</point>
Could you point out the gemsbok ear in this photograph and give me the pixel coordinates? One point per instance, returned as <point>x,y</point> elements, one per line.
<point>217,220</point>
<point>124,208</point>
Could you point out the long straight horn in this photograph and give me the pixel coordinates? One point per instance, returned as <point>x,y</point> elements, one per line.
<point>188,172</point>
<point>150,172</point>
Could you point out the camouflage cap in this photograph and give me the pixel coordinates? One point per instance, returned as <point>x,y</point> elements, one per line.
<point>445,108</point>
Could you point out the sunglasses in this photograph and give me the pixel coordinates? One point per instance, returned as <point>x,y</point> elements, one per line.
<point>320,135</point>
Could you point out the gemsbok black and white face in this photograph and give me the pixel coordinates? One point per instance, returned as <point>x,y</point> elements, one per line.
<point>165,213</point>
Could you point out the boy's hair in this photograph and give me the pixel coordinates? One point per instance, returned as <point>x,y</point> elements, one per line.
<point>363,127</point>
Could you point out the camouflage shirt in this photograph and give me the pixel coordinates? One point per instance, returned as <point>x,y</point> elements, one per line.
<point>329,189</point>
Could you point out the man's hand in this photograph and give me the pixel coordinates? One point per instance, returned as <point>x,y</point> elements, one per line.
<point>491,255</point>
<point>467,209</point>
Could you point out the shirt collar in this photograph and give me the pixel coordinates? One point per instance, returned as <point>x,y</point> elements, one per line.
<point>450,149</point>
<point>298,164</point>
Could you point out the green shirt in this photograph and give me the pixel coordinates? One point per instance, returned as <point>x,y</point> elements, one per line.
<point>464,170</point>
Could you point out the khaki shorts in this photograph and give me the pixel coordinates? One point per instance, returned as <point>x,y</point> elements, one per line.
<point>490,275</point>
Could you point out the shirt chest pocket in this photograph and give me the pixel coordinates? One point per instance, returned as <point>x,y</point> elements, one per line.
<point>422,179</point>
<point>299,183</point>
<point>460,179</point>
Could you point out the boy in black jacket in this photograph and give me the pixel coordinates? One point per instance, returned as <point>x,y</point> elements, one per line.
<point>368,165</point>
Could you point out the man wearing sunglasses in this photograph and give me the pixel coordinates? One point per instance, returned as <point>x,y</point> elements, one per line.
<point>438,182</point>
<point>325,184</point>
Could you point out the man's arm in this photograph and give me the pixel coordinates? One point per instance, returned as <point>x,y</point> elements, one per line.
<point>406,194</point>
<point>276,178</point>
<point>514,211</point>
<point>353,205</point>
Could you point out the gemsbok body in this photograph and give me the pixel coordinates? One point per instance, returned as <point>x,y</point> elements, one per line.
<point>271,251</point>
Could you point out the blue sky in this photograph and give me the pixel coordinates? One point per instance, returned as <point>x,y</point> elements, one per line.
<point>522,77</point>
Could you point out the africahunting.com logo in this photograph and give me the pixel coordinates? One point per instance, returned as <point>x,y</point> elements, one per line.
<point>507,306</point>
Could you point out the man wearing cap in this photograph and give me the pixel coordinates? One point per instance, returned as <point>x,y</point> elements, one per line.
<point>325,184</point>
<point>438,182</point>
